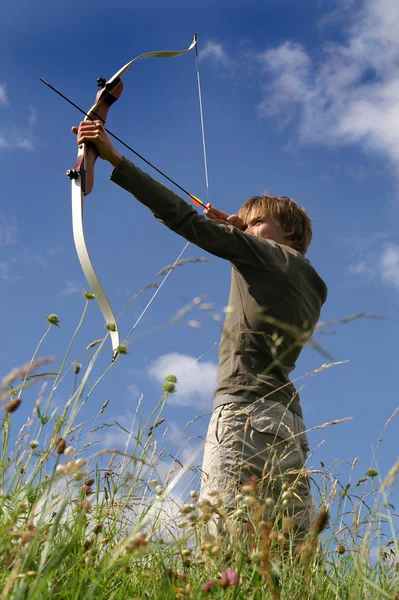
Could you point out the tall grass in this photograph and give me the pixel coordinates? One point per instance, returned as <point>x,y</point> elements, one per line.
<point>81,523</point>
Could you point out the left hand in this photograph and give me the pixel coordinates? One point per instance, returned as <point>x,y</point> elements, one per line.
<point>93,132</point>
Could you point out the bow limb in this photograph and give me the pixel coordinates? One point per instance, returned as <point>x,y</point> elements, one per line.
<point>87,266</point>
<point>82,180</point>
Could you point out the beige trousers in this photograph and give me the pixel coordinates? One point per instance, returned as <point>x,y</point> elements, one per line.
<point>266,440</point>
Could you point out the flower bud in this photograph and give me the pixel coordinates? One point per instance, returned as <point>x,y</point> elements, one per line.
<point>89,295</point>
<point>53,320</point>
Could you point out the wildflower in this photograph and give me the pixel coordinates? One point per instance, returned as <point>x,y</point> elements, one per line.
<point>69,450</point>
<point>80,462</point>
<point>60,469</point>
<point>13,405</point>
<point>269,502</point>
<point>159,490</point>
<point>60,445</point>
<point>34,444</point>
<point>89,482</point>
<point>208,585</point>
<point>194,494</point>
<point>87,490</point>
<point>153,482</point>
<point>53,320</point>
<point>89,295</point>
<point>229,577</point>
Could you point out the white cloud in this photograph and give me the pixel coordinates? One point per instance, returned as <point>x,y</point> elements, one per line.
<point>215,52</point>
<point>71,287</point>
<point>3,95</point>
<point>351,94</point>
<point>8,231</point>
<point>390,266</point>
<point>196,380</point>
<point>15,137</point>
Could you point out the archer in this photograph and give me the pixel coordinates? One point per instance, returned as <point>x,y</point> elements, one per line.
<point>256,434</point>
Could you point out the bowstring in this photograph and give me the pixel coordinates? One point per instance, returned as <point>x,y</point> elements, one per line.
<point>207,194</point>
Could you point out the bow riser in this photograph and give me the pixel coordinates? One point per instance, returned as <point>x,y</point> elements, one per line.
<point>87,153</point>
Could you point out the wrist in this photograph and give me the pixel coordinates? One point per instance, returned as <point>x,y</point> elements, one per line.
<point>114,158</point>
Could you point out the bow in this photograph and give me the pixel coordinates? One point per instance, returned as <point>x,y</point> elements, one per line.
<point>82,179</point>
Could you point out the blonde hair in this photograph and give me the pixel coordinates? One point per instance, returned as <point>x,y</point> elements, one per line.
<point>287,215</point>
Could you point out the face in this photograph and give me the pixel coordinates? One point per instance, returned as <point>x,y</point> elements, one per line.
<point>265,227</point>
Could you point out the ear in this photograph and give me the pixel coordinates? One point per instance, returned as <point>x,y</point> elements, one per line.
<point>289,234</point>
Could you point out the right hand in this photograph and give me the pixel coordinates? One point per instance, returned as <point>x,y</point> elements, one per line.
<point>219,216</point>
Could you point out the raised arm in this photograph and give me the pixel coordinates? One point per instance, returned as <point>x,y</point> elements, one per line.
<point>212,234</point>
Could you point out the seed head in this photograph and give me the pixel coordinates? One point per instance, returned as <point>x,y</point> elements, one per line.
<point>69,450</point>
<point>34,444</point>
<point>320,522</point>
<point>341,549</point>
<point>372,473</point>
<point>122,349</point>
<point>60,445</point>
<point>13,405</point>
<point>110,326</point>
<point>77,368</point>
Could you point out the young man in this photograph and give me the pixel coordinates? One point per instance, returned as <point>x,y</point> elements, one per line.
<point>256,429</point>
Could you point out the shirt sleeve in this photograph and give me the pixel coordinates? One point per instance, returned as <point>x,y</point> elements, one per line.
<point>224,241</point>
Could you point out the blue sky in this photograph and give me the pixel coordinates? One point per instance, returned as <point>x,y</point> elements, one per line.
<point>300,99</point>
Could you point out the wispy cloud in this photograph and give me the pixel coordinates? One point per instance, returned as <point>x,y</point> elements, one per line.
<point>351,94</point>
<point>215,52</point>
<point>8,231</point>
<point>14,137</point>
<point>4,276</point>
<point>196,380</point>
<point>390,265</point>
<point>3,95</point>
<point>71,287</point>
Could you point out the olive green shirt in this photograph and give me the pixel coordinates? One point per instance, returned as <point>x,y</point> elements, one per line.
<point>275,296</point>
